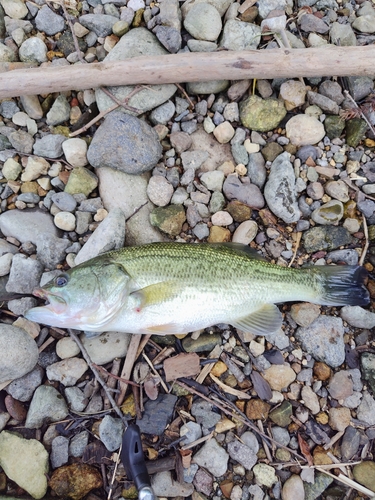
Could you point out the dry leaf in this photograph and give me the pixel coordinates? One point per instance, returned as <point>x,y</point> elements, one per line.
<point>261,386</point>
<point>305,450</point>
<point>182,365</point>
<point>151,387</point>
<point>152,454</point>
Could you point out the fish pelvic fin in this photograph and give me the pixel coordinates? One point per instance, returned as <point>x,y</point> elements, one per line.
<point>342,285</point>
<point>267,319</point>
<point>157,293</point>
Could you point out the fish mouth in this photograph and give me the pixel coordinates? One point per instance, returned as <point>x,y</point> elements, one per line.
<point>54,303</point>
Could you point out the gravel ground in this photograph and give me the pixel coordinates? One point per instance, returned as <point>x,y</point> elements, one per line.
<point>285,166</point>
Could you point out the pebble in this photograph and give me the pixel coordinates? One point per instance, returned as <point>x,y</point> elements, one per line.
<point>323,339</point>
<point>245,232</point>
<point>364,473</point>
<point>279,376</point>
<point>310,399</point>
<point>339,418</point>
<point>358,317</point>
<point>48,21</point>
<point>212,457</point>
<point>249,194</point>
<point>22,388</point>
<point>64,201</point>
<point>75,481</point>
<point>260,114</point>
<point>110,432</point>
<point>191,431</point>
<point>67,371</point>
<point>24,461</point>
<point>126,143</point>
<point>293,488</point>
<point>350,443</point>
<point>51,250</point>
<point>59,451</point>
<point>293,92</point>
<point>75,151</point>
<point>328,214</point>
<point>76,399</point>
<point>81,180</point>
<point>265,475</point>
<point>47,405</point>
<point>31,106</point>
<point>221,218</point>
<point>159,190</point>
<point>304,130</point>
<point>49,146</point>
<point>18,353</point>
<point>163,485</point>
<point>78,444</point>
<point>100,24</point>
<point>106,347</point>
<point>21,141</point>
<point>65,221</point>
<point>304,313</point>
<point>203,22</point>
<point>223,132</point>
<point>238,35</point>
<point>157,414</point>
<point>24,275</point>
<point>366,409</point>
<point>280,192</point>
<point>242,454</point>
<point>15,9</point>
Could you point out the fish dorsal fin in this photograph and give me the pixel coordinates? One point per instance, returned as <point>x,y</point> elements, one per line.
<point>240,248</point>
<point>157,293</point>
<point>267,319</point>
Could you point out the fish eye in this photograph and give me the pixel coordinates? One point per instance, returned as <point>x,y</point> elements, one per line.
<point>61,280</point>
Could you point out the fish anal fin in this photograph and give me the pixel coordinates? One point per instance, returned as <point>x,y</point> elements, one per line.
<point>167,329</point>
<point>156,293</point>
<point>265,320</point>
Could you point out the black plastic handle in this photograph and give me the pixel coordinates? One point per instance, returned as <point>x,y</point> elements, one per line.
<point>133,459</point>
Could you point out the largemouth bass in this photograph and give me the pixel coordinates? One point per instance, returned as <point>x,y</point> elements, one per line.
<point>174,288</point>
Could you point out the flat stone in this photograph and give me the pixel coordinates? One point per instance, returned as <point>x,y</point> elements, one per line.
<point>242,454</point>
<point>49,146</point>
<point>304,129</point>
<point>110,432</point>
<point>24,275</point>
<point>59,451</point>
<point>279,376</point>
<point>157,415</point>
<point>75,151</point>
<point>245,232</point>
<point>81,180</point>
<point>48,21</point>
<point>325,238</point>
<point>33,49</point>
<point>249,194</point>
<point>203,22</point>
<point>328,214</point>
<point>46,406</point>
<point>23,388</point>
<point>106,347</point>
<point>101,24</point>
<point>339,418</point>
<point>67,371</point>
<point>212,457</point>
<point>168,219</point>
<point>75,480</point>
<point>358,317</point>
<point>163,485</point>
<point>159,190</point>
<point>366,410</point>
<point>342,34</point>
<point>364,473</point>
<point>238,35</point>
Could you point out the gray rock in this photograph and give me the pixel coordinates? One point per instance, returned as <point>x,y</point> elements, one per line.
<point>350,443</point>
<point>280,192</point>
<point>203,22</point>
<point>33,49</point>
<point>204,414</point>
<point>249,194</point>
<point>125,143</point>
<point>256,169</point>
<point>310,23</point>
<point>109,235</point>
<point>20,306</point>
<point>212,457</point>
<point>238,35</point>
<point>157,415</point>
<point>28,198</point>
<point>332,90</point>
<point>360,86</point>
<point>251,441</point>
<point>164,486</point>
<point>31,106</point>
<point>21,141</point>
<point>162,114</point>
<point>25,274</point>
<point>320,484</point>
<point>191,431</point>
<point>18,353</point>
<point>46,406</point>
<point>358,317</point>
<point>365,24</point>
<point>159,190</point>
<point>110,432</point>
<point>26,225</point>
<point>240,154</point>
<point>59,112</point>
<point>193,159</point>
<point>23,388</point>
<point>325,238</point>
<point>48,21</point>
<point>100,24</point>
<point>8,109</point>
<point>77,401</point>
<point>201,46</point>
<point>328,214</point>
<point>267,6</point>
<point>106,347</point>
<point>366,410</point>
<point>210,87</point>
<point>350,257</point>
<point>59,451</point>
<point>51,249</point>
<point>342,34</point>
<point>169,37</point>
<point>78,444</point>
<point>323,339</point>
<point>64,201</point>
<point>325,103</point>
<point>367,207</point>
<point>49,146</point>
<point>137,42</point>
<point>242,454</point>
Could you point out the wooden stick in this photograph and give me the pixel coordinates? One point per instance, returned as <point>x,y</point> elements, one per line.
<point>128,366</point>
<point>193,67</point>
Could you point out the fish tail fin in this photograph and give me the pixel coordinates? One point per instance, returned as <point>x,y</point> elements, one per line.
<point>342,285</point>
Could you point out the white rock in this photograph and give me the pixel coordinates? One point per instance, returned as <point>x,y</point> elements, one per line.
<point>67,371</point>
<point>107,346</point>
<point>5,263</point>
<point>224,132</point>
<point>11,169</point>
<point>35,167</point>
<point>221,218</point>
<point>75,151</point>
<point>15,9</point>
<point>251,147</point>
<point>203,22</point>
<point>246,232</point>
<point>159,190</point>
<point>65,221</point>
<point>20,119</point>
<point>293,92</point>
<point>303,130</point>
<point>67,348</point>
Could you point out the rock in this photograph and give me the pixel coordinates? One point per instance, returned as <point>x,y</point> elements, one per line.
<point>256,169</point>
<point>23,388</point>
<point>209,87</point>
<point>78,444</point>
<point>358,317</point>
<point>350,257</point>
<point>64,201</point>
<point>257,409</point>
<point>224,132</point>
<point>35,167</point>
<point>212,457</point>
<point>366,410</point>
<point>238,35</point>
<point>48,21</point>
<point>101,24</point>
<point>203,22</point>
<point>193,159</point>
<point>305,313</point>
<point>164,486</point>
<point>159,190</point>
<point>67,371</point>
<point>65,221</point>
<point>180,141</point>
<point>350,443</point>
<point>265,475</point>
<point>25,225</point>
<point>25,274</point>
<point>281,415</point>
<point>31,106</point>
<point>11,169</point>
<point>320,484</point>
<point>365,24</point>
<point>59,451</point>
<point>355,131</point>
<point>163,114</point>
<point>334,126</point>
<point>51,249</point>
<point>18,353</point>
<point>245,232</point>
<point>113,184</point>
<point>76,399</point>
<point>330,213</point>
<point>368,369</point>
<point>293,92</point>
<point>59,112</point>
<point>75,481</point>
<point>310,23</point>
<point>279,376</point>
<point>110,432</point>
<point>339,418</point>
<point>106,347</point>
<point>323,339</point>
<point>249,194</point>
<point>360,86</point>
<point>364,473</point>
<point>125,143</point>
<point>81,180</point>
<point>242,454</point>
<point>15,9</point>
<point>191,431</point>
<point>310,399</point>
<point>293,488</point>
<point>33,49</point>
<point>213,180</point>
<point>24,461</point>
<point>169,37</point>
<point>342,34</point>
<point>6,54</point>
<point>260,114</point>
<point>168,219</point>
<point>46,406</point>
<point>325,103</point>
<point>75,151</point>
<point>109,235</point>
<point>137,42</point>
<point>21,141</point>
<point>157,415</point>
<point>325,238</point>
<point>49,146</point>
<point>304,129</point>
<point>280,191</point>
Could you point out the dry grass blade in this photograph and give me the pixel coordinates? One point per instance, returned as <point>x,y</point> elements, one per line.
<point>365,248</point>
<point>230,390</point>
<point>197,441</point>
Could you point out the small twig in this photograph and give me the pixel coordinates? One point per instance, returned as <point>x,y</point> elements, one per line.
<point>87,358</point>
<point>197,441</point>
<point>297,243</point>
<point>155,373</point>
<point>94,120</point>
<point>112,375</point>
<point>335,438</point>
<point>347,93</point>
<point>124,103</point>
<point>181,89</point>
<point>114,473</point>
<point>265,445</point>
<point>356,188</point>
<point>128,366</point>
<point>145,338</point>
<point>349,482</point>
<point>365,248</point>
<point>132,215</point>
<point>46,344</point>
<point>111,380</point>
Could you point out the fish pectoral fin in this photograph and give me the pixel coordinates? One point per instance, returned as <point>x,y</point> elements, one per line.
<point>157,293</point>
<point>267,319</point>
